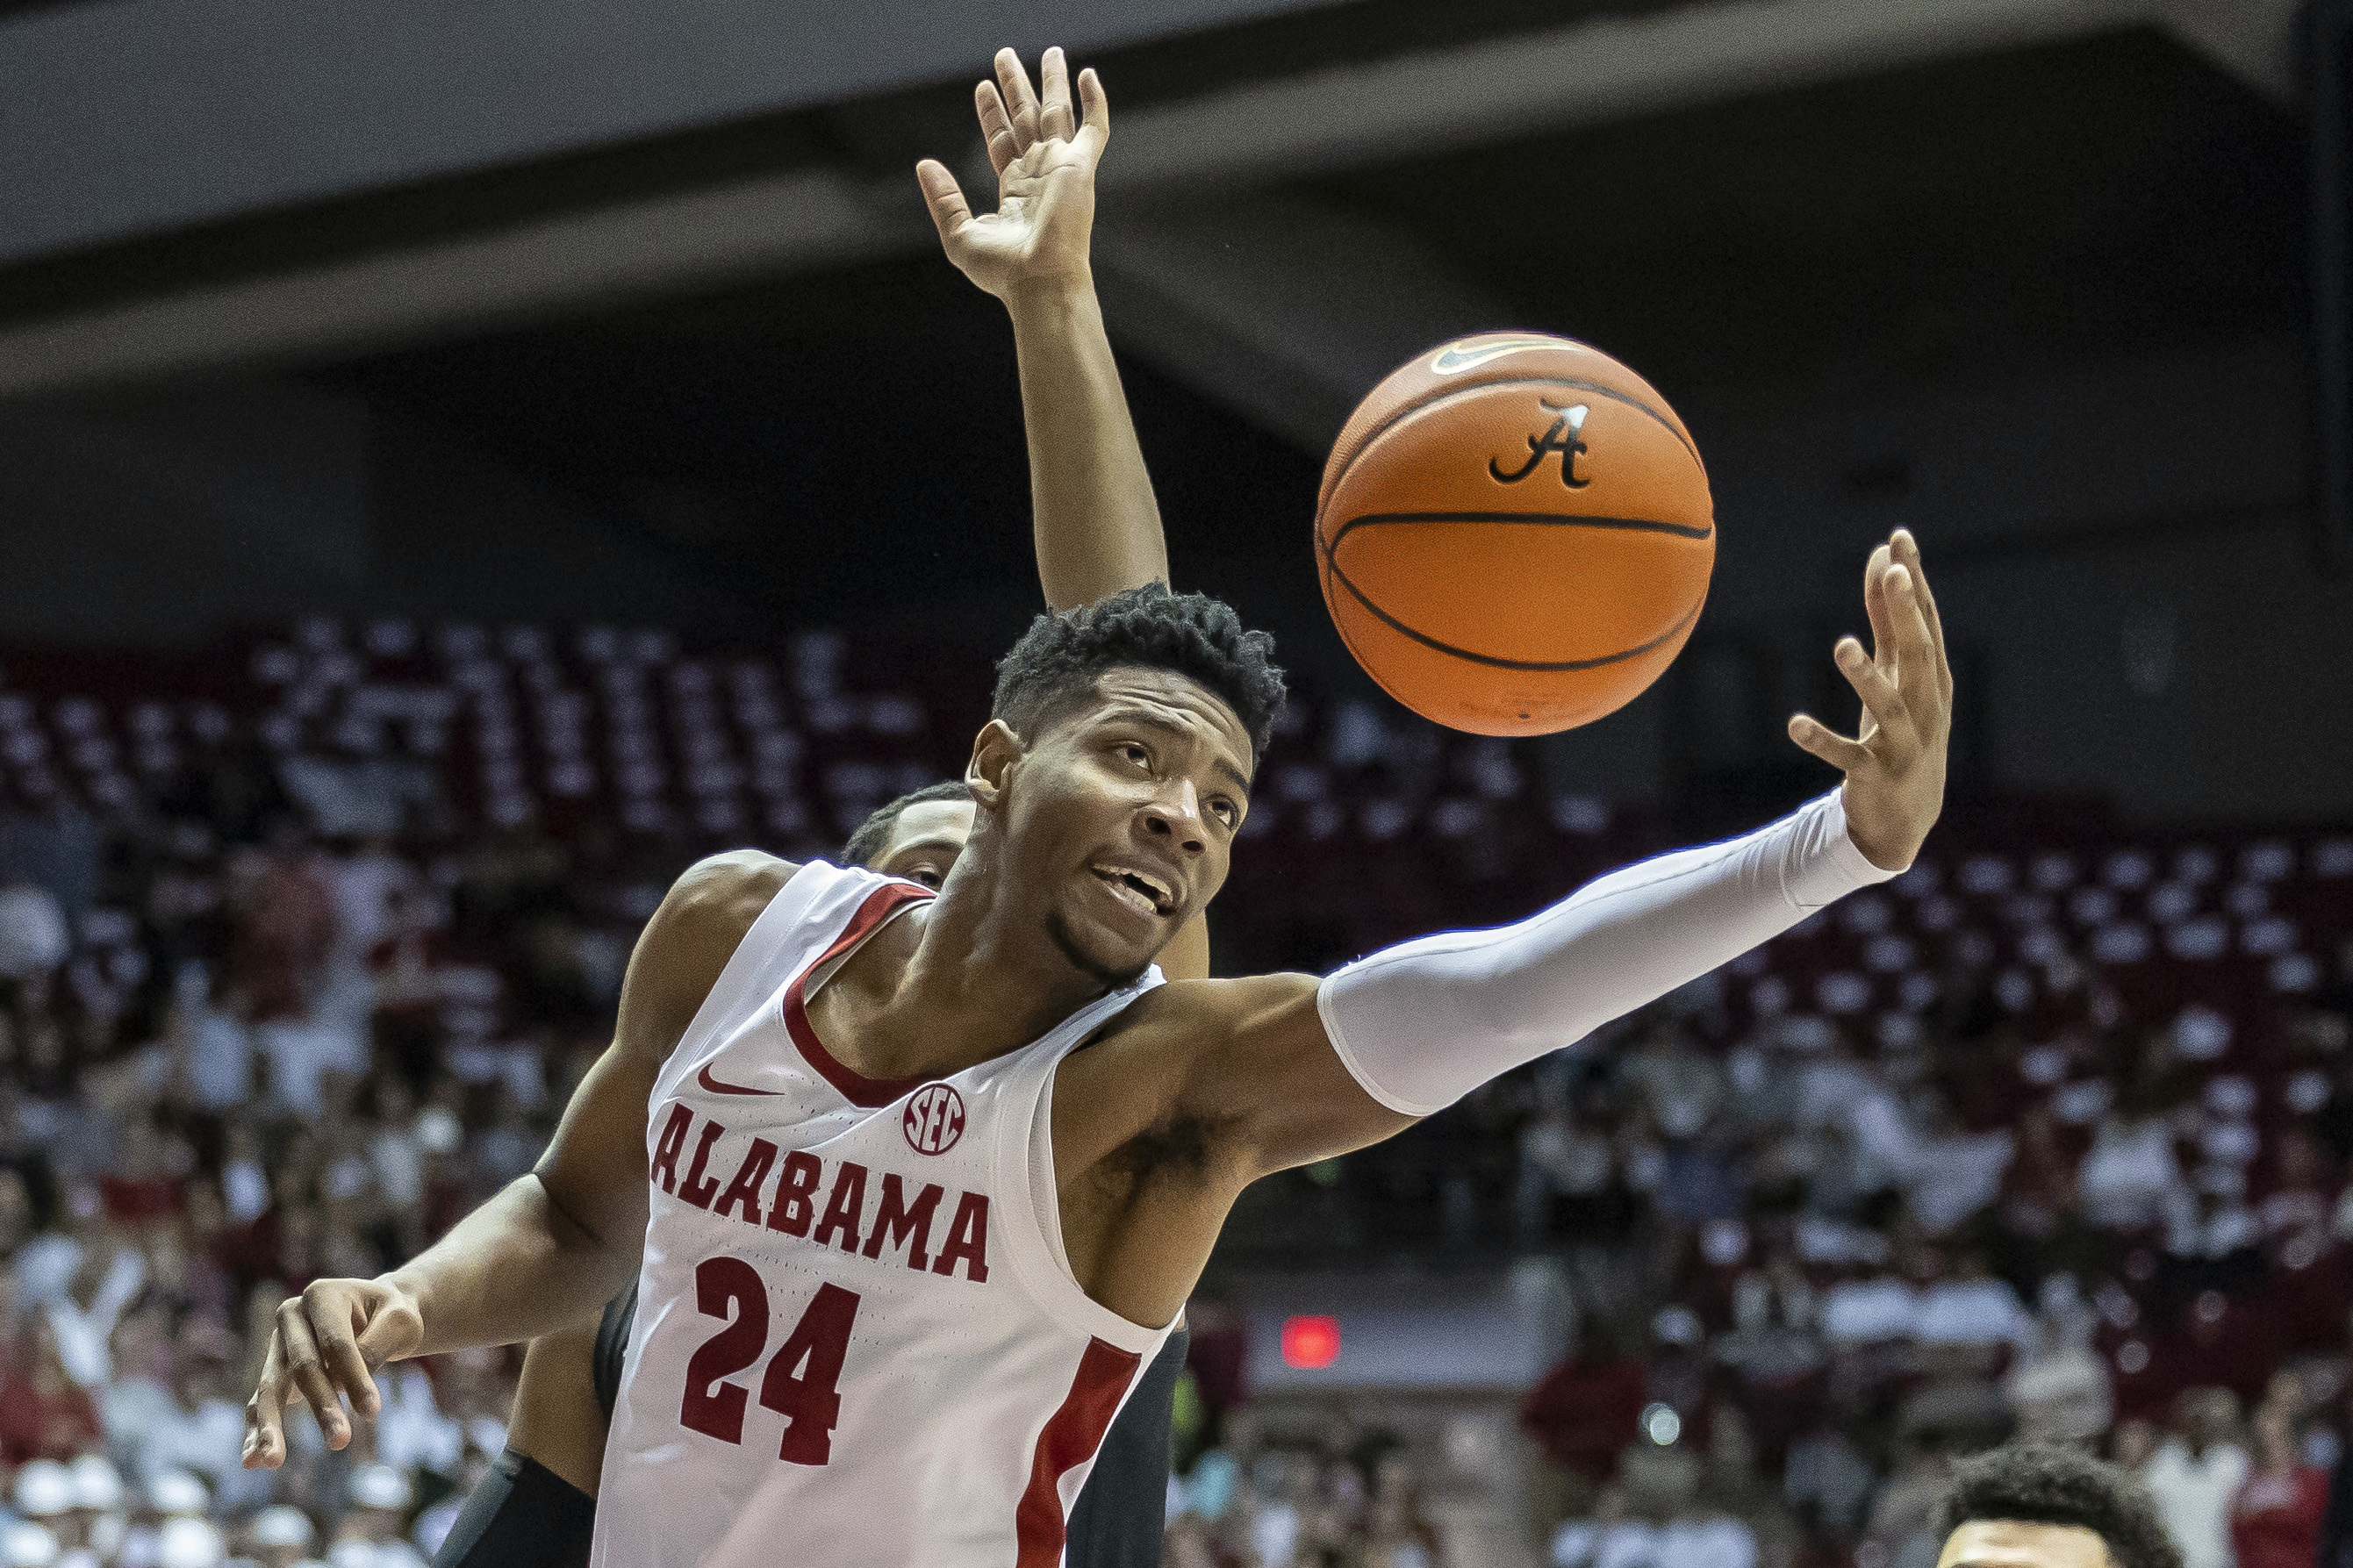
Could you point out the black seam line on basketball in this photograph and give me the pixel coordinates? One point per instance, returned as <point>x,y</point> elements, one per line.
<point>1546,667</point>
<point>1540,518</point>
<point>1571,382</point>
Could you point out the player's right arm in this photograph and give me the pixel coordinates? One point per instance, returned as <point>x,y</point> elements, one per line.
<point>555,1244</point>
<point>1196,1091</point>
<point>1417,1025</point>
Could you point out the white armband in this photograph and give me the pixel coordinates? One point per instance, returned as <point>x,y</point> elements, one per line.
<point>1423,1023</point>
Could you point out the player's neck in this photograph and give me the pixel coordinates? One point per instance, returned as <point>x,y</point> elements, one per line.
<point>946,986</point>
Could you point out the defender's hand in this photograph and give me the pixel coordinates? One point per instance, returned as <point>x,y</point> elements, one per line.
<point>327,1345</point>
<point>1895,765</point>
<point>1045,158</point>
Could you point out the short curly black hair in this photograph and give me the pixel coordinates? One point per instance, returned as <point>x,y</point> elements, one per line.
<point>2043,1483</point>
<point>875,831</point>
<point>1057,658</point>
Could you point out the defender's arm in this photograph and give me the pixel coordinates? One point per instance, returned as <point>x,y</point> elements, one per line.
<point>1097,524</point>
<point>555,1244</point>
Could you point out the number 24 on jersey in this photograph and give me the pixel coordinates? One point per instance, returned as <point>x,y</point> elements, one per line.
<point>803,1395</point>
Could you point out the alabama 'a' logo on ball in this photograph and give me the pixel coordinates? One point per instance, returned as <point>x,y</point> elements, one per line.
<point>933,1118</point>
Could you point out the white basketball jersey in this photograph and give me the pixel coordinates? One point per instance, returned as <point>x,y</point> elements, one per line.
<point>858,1342</point>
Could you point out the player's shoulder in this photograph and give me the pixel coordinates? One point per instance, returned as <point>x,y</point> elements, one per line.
<point>725,892</point>
<point>685,947</point>
<point>711,906</point>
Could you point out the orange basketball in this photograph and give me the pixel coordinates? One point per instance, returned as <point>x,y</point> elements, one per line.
<point>1514,534</point>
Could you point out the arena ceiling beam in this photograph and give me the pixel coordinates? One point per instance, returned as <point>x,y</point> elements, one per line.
<point>577,262</point>
<point>1258,134</point>
<point>143,117</point>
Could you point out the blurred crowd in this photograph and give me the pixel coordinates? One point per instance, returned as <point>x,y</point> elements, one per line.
<point>1817,1263</point>
<point>242,1058</point>
<point>2048,1144</point>
<point>2049,1137</point>
<point>1349,1499</point>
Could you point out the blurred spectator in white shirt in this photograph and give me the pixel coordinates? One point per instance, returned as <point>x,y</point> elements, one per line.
<point>33,936</point>
<point>1958,1175</point>
<point>366,882</point>
<point>1973,1308</point>
<point>1871,1309</point>
<point>202,1430</point>
<point>1706,1538</point>
<point>2132,1177</point>
<point>2196,1473</point>
<point>83,1315</point>
<point>2060,1390</point>
<point>1607,1539</point>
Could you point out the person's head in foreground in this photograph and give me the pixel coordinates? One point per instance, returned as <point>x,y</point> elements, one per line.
<point>1114,773</point>
<point>2042,1506</point>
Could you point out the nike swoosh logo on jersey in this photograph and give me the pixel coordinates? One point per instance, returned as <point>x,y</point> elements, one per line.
<point>715,1087</point>
<point>1454,357</point>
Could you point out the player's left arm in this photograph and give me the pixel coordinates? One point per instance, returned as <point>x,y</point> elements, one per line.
<point>1285,1069</point>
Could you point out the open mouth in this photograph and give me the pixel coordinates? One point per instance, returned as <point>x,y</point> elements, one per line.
<point>1140,891</point>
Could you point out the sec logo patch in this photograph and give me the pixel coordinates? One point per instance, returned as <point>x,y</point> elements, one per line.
<point>933,1118</point>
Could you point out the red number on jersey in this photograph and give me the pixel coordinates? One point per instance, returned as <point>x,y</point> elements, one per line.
<point>808,1402</point>
<point>714,1407</point>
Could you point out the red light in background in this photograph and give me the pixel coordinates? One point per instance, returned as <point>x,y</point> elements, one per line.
<point>1310,1343</point>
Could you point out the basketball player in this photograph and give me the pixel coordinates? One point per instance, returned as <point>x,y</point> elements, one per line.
<point>538,1504</point>
<point>1098,529</point>
<point>915,1176</point>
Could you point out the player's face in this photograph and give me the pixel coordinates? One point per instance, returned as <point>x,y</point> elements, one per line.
<point>1124,817</point>
<point>2002,1543</point>
<point>926,841</point>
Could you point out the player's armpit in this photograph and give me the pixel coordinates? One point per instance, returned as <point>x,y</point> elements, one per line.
<point>1239,1069</point>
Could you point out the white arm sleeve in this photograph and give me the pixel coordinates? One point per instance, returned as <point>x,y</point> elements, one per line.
<point>1423,1023</point>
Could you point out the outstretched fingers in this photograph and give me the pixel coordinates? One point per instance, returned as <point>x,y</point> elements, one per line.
<point>1055,120</point>
<point>943,197</point>
<point>996,126</point>
<point>1020,101</point>
<point>1097,105</point>
<point>1916,646</point>
<point>1880,697</point>
<point>338,1323</point>
<point>1817,738</point>
<point>1874,605</point>
<point>300,1348</point>
<point>1907,555</point>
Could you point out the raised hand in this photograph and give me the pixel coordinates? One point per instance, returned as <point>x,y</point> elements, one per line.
<point>1894,765</point>
<point>326,1346</point>
<point>1045,156</point>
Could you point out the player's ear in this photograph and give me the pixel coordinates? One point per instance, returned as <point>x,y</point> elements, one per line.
<point>994,752</point>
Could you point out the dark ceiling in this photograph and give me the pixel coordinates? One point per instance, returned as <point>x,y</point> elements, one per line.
<point>2103,197</point>
<point>2059,204</point>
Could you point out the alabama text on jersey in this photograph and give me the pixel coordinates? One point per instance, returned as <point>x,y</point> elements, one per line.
<point>856,1341</point>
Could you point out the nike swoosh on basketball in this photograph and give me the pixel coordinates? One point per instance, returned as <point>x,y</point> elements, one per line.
<point>715,1087</point>
<point>1454,357</point>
